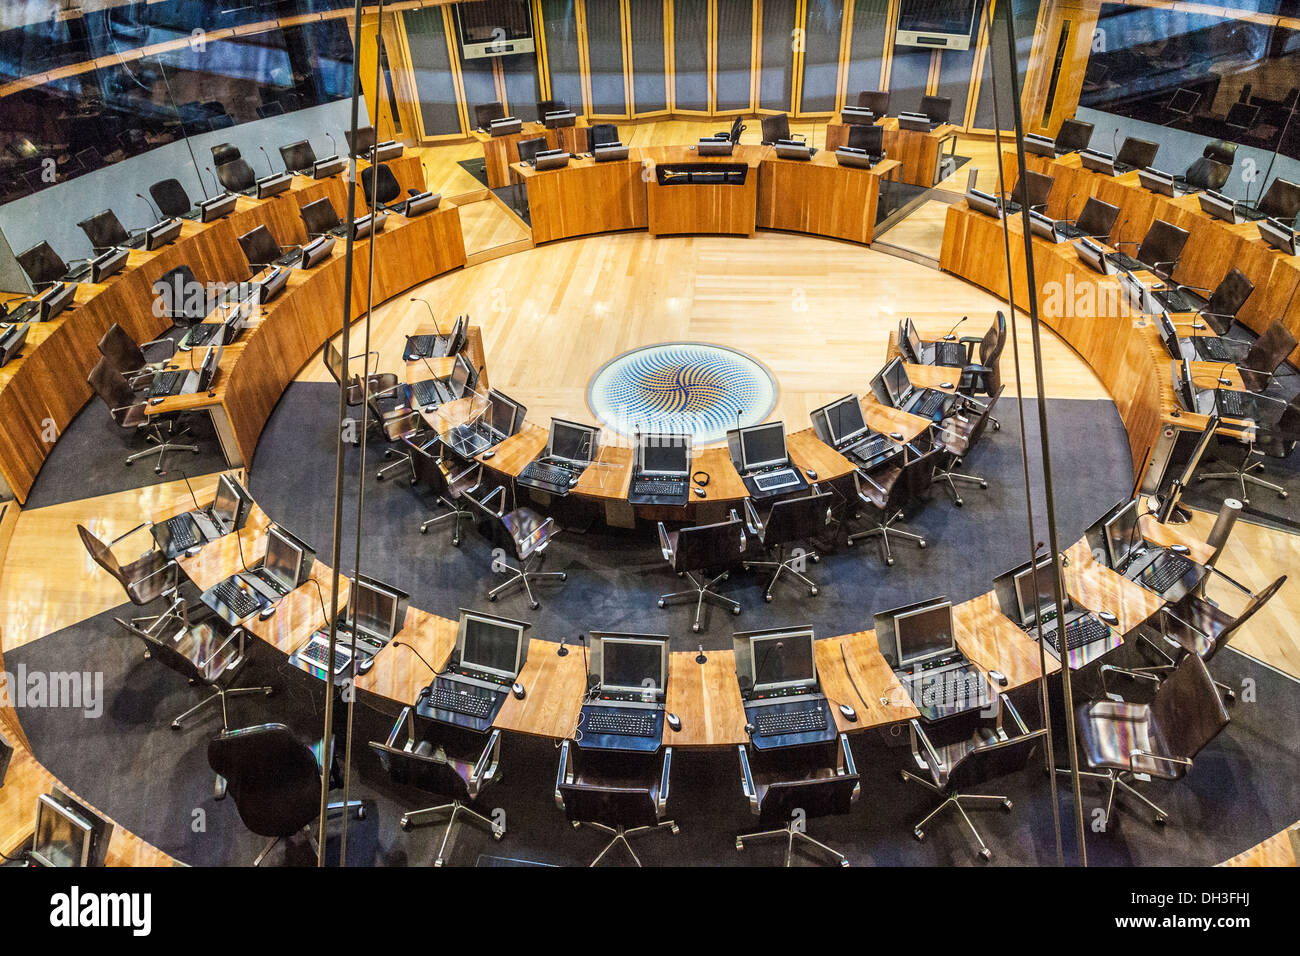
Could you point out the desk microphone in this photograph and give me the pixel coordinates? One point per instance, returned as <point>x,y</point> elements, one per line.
<point>700,658</point>
<point>1114,143</point>
<point>215,182</point>
<point>268,158</point>
<point>948,337</point>
<point>436,327</point>
<point>409,648</point>
<point>333,145</point>
<point>1223,379</point>
<point>562,651</point>
<point>157,215</point>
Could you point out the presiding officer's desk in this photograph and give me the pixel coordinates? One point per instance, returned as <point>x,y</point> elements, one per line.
<point>918,153</point>
<point>674,207</point>
<point>501,152</point>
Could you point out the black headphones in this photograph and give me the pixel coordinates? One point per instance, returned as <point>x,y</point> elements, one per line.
<point>701,478</point>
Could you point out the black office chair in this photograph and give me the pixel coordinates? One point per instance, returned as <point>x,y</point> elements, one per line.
<point>236,176</point>
<point>275,780</point>
<point>378,385</point>
<point>1039,190</point>
<point>549,106</point>
<point>318,217</point>
<point>984,377</point>
<point>1160,248</point>
<point>529,148</point>
<point>1280,201</point>
<point>875,100</point>
<point>869,138</point>
<point>199,652</point>
<point>963,760</point>
<point>43,265</point>
<point>603,791</point>
<point>1226,301</point>
<point>1221,151</point>
<point>1266,356</point>
<point>1275,440</point>
<point>789,786</point>
<point>1096,219</point>
<point>126,407</point>
<point>129,359</point>
<point>380,186</point>
<point>937,108</point>
<point>486,113</point>
<point>788,521</point>
<point>778,128</point>
<point>1120,740</point>
<point>1073,136</point>
<point>890,490</point>
<point>453,768</point>
<point>438,476</point>
<point>180,296</point>
<point>148,578</point>
<point>170,197</point>
<point>694,552</point>
<point>958,435</point>
<point>224,153</point>
<point>298,157</point>
<point>526,533</point>
<point>733,134</point>
<point>601,133</point>
<point>1205,174</point>
<point>105,231</point>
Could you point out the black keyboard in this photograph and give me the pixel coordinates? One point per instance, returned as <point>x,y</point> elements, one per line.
<point>623,722</point>
<point>1178,300</point>
<point>1122,260</point>
<point>547,473</point>
<point>1166,571</point>
<point>949,353</point>
<point>1234,404</point>
<point>203,333</point>
<point>241,603</point>
<point>426,392</point>
<point>182,532</point>
<point>1212,348</point>
<point>1079,632</point>
<point>659,486</point>
<point>770,481</point>
<point>791,722</point>
<point>166,383</point>
<point>947,691</point>
<point>869,449</point>
<point>318,653</point>
<point>420,346</point>
<point>927,406</point>
<point>471,703</point>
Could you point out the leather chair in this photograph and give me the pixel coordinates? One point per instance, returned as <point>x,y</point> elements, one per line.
<point>170,197</point>
<point>1221,151</point>
<point>1039,190</point>
<point>127,407</point>
<point>776,128</point>
<point>105,231</point>
<point>875,100</point>
<point>129,358</point>
<point>869,138</point>
<point>938,108</point>
<point>454,768</point>
<point>236,176</point>
<point>1272,440</point>
<point>526,533</point>
<point>599,133</point>
<point>985,376</point>
<point>695,552</point>
<point>260,248</point>
<point>733,134</point>
<point>1162,239</point>
<point>957,435</point>
<point>378,385</point>
<point>199,652</point>
<point>614,795</point>
<point>549,106</point>
<point>1266,356</point>
<point>1280,201</point>
<point>275,780</point>
<point>790,520</point>
<point>224,153</point>
<point>1226,301</point>
<point>379,186</point>
<point>892,489</point>
<point>529,148</point>
<point>1120,740</point>
<point>145,580</point>
<point>1206,173</point>
<point>175,292</point>
<point>302,151</point>
<point>966,760</point>
<point>787,787</point>
<point>485,113</point>
<point>447,486</point>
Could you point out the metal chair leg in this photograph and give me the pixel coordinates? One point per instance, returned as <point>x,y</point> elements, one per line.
<point>701,591</point>
<point>525,575</point>
<point>955,800</point>
<point>1116,780</point>
<point>791,834</point>
<point>884,529</point>
<point>621,836</point>
<point>403,461</point>
<point>451,810</point>
<point>1242,474</point>
<point>456,514</point>
<point>785,564</point>
<point>220,695</point>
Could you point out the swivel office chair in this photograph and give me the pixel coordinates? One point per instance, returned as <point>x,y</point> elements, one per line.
<point>405,425</point>
<point>377,386</point>
<point>1160,248</point>
<point>1196,625</point>
<point>962,762</point>
<point>890,491</point>
<point>600,133</point>
<point>937,108</point>
<point>485,113</point>
<point>1226,301</point>
<point>224,153</point>
<point>733,134</point>
<point>170,197</point>
<point>1205,173</point>
<point>236,176</point>
<point>298,157</point>
<point>1160,739</point>
<point>1266,356</point>
<point>127,407</point>
<point>549,106</point>
<point>260,249</point>
<point>1073,136</point>
<point>984,377</point>
<point>696,551</point>
<point>199,652</point>
<point>1221,151</point>
<point>788,521</point>
<point>875,100</point>
<point>529,148</point>
<point>1276,440</point>
<point>43,265</point>
<point>1035,188</point>
<point>1096,219</point>
<point>454,768</point>
<point>777,128</point>
<point>379,186</point>
<point>1280,201</point>
<point>617,799</point>
<point>437,476</point>
<point>275,780</point>
<point>105,231</point>
<point>179,296</point>
<point>869,138</point>
<point>526,533</point>
<point>129,359</point>
<point>958,435</point>
<point>781,783</point>
<point>145,580</point>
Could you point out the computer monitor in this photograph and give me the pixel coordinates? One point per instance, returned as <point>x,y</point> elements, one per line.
<point>1140,153</point>
<point>844,419</point>
<point>664,454</point>
<point>633,663</point>
<point>783,659</point>
<point>231,505</point>
<point>570,441</point>
<point>913,338</point>
<point>459,380</point>
<point>1185,386</point>
<point>1035,601</point>
<point>64,837</point>
<point>502,412</point>
<point>318,217</point>
<point>1073,136</point>
<point>1169,335</point>
<point>491,644</point>
<point>298,156</point>
<point>373,608</point>
<point>42,264</point>
<point>891,382</point>
<point>211,360</point>
<point>284,559</point>
<point>923,632</point>
<point>1122,534</point>
<point>763,446</point>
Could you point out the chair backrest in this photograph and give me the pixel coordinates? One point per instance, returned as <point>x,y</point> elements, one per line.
<point>1188,711</point>
<point>104,229</point>
<point>428,471</point>
<point>158,641</point>
<point>816,797</point>
<point>1266,356</point>
<point>102,555</point>
<point>333,360</point>
<point>529,148</point>
<point>485,113</point>
<point>1281,200</point>
<point>915,481</point>
<point>224,153</point>
<point>994,759</point>
<point>938,108</point>
<point>1227,299</point>
<point>170,197</point>
<point>1162,246</point>
<point>380,181</point>
<point>549,106</point>
<point>776,127</point>
<point>120,349</point>
<point>737,127</point>
<point>797,519</point>
<point>991,346</point>
<point>1258,601</point>
<point>426,768</point>
<point>875,100</point>
<point>236,175</point>
<point>1205,173</point>
<point>298,156</point>
<point>113,390</point>
<point>599,133</point>
<point>709,545</point>
<point>42,264</point>
<point>1097,218</point>
<point>870,138</point>
<point>1039,189</point>
<point>1073,135</point>
<point>611,806</point>
<point>982,422</point>
<point>260,247</point>
<point>272,776</point>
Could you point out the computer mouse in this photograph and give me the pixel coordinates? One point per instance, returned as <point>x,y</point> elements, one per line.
<point>812,475</point>
<point>897,436</point>
<point>1180,549</point>
<point>488,454</point>
<point>945,384</point>
<point>193,551</point>
<point>365,663</point>
<point>849,713</point>
<point>572,482</point>
<point>673,721</point>
<point>267,612</point>
<point>949,337</point>
<point>156,401</point>
<point>700,492</point>
<point>998,677</point>
<point>430,409</point>
<point>518,690</point>
<point>1108,618</point>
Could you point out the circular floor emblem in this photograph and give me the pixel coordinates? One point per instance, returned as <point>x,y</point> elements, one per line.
<point>682,387</point>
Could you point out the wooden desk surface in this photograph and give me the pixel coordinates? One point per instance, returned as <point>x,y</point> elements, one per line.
<point>993,642</point>
<point>298,613</point>
<point>1096,587</point>
<point>398,673</point>
<point>885,702</point>
<point>554,687</point>
<point>706,697</point>
<point>1166,535</point>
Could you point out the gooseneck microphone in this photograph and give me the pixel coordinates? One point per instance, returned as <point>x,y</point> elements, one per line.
<point>433,316</point>
<point>948,336</point>
<point>333,145</point>
<point>269,167</point>
<point>215,182</point>
<point>157,215</point>
<point>562,651</point>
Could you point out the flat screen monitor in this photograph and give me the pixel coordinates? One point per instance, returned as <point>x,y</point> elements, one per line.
<point>63,836</point>
<point>373,609</point>
<point>1038,599</point>
<point>783,660</point>
<point>924,632</point>
<point>844,419</point>
<point>211,359</point>
<point>283,561</point>
<point>460,376</point>
<point>501,414</point>
<point>1122,536</point>
<point>913,339</point>
<point>571,442</point>
<point>763,446</point>
<point>631,663</point>
<point>664,454</point>
<point>1169,335</point>
<point>894,379</point>
<point>491,644</point>
<point>230,504</point>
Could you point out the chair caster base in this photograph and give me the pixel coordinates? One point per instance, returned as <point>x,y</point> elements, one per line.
<point>986,854</point>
